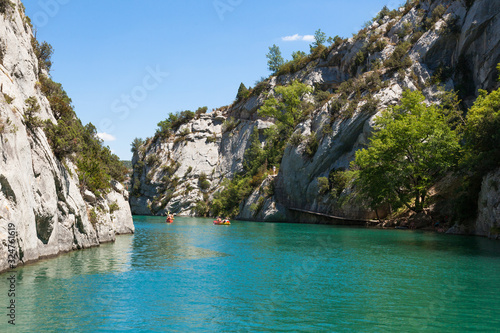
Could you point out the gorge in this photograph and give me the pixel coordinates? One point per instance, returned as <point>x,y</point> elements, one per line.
<point>425,45</point>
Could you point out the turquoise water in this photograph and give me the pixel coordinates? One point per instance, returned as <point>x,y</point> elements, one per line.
<point>192,276</point>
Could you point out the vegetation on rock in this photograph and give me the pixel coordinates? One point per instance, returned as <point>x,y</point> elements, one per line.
<point>68,138</point>
<point>413,146</point>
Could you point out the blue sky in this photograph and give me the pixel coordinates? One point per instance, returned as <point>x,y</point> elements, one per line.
<point>127,64</point>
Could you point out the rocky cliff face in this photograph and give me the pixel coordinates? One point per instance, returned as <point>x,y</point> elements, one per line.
<point>451,43</point>
<point>42,209</point>
<point>488,220</point>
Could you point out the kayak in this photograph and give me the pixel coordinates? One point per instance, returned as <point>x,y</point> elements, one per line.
<point>170,220</point>
<point>225,222</point>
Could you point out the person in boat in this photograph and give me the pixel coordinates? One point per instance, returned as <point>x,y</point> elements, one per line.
<point>219,220</point>
<point>226,220</point>
<point>170,217</point>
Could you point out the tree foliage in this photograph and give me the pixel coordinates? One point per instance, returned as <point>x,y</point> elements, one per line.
<point>287,109</point>
<point>298,55</point>
<point>136,144</point>
<point>482,133</point>
<point>32,108</point>
<point>319,39</point>
<point>275,60</point>
<point>43,53</point>
<point>173,122</point>
<point>4,5</point>
<point>482,151</point>
<point>68,138</point>
<point>413,146</point>
<point>243,92</point>
<point>254,155</point>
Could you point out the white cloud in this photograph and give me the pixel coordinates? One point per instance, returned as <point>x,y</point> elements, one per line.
<point>309,38</point>
<point>293,38</point>
<point>106,137</point>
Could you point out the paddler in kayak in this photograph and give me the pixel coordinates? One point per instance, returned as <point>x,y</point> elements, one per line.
<point>170,218</point>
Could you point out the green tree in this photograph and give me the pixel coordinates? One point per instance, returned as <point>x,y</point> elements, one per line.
<point>242,92</point>
<point>201,110</point>
<point>275,60</point>
<point>136,144</point>
<point>32,108</point>
<point>43,53</point>
<point>482,131</point>
<point>298,55</point>
<point>288,109</point>
<point>412,147</point>
<point>254,155</point>
<point>319,39</point>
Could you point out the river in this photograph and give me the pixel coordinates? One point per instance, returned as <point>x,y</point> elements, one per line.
<point>192,276</point>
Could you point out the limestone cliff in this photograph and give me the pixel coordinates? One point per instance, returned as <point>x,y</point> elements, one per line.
<point>42,206</point>
<point>423,45</point>
<point>488,220</point>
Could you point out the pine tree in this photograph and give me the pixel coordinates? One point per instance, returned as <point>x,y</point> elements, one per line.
<point>275,59</point>
<point>242,92</point>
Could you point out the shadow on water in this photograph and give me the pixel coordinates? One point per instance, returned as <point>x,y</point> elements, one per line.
<point>410,241</point>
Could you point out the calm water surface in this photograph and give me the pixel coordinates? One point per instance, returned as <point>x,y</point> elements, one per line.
<point>193,276</point>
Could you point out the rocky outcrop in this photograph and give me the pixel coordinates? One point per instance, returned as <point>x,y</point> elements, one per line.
<point>260,206</point>
<point>451,43</point>
<point>488,219</point>
<point>42,208</point>
<point>174,175</point>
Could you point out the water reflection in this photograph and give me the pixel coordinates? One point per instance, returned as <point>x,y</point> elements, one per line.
<point>158,245</point>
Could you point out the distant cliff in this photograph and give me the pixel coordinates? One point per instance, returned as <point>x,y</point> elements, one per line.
<point>423,45</point>
<point>45,209</point>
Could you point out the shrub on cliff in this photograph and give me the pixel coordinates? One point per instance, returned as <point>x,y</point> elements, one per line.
<point>243,92</point>
<point>201,110</point>
<point>173,122</point>
<point>482,152</point>
<point>43,53</point>
<point>32,108</point>
<point>482,132</point>
<point>227,201</point>
<point>399,57</point>
<point>68,138</point>
<point>4,5</point>
<point>203,182</point>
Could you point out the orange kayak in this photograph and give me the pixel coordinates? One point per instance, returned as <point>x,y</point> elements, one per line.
<point>169,220</point>
<point>225,222</point>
